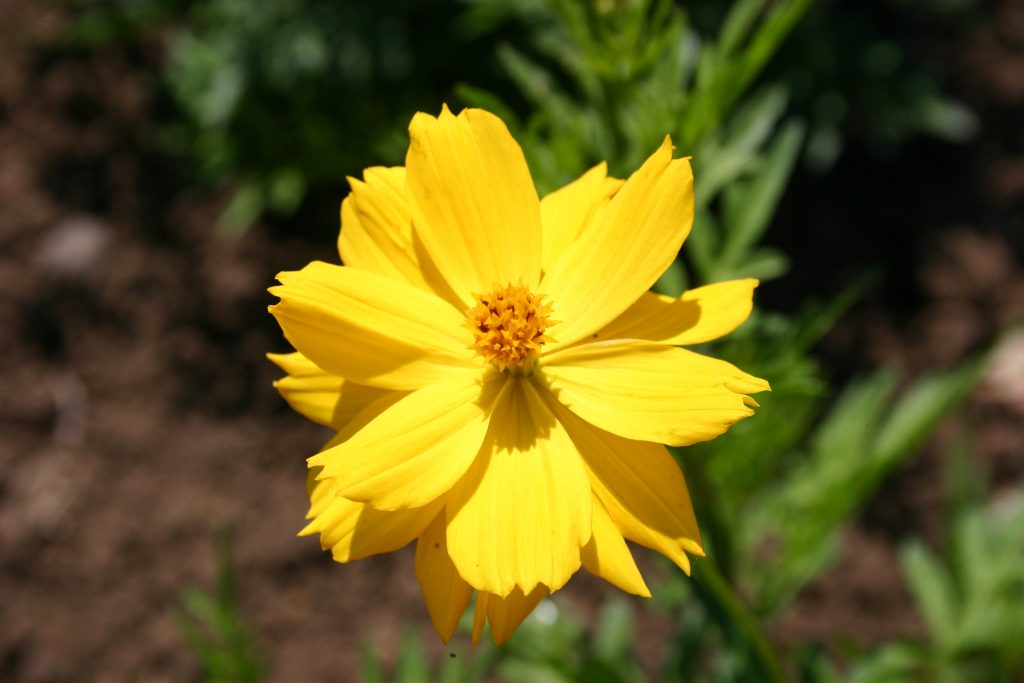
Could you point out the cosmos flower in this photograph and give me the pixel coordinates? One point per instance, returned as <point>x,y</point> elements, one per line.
<point>500,378</point>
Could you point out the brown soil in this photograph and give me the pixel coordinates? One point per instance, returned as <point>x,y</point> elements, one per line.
<point>137,417</point>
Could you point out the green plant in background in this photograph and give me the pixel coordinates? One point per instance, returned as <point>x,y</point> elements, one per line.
<point>293,94</point>
<point>971,604</point>
<point>969,599</point>
<point>860,82</point>
<point>636,71</point>
<point>275,100</point>
<point>413,665</point>
<point>551,647</point>
<point>214,629</point>
<point>865,435</point>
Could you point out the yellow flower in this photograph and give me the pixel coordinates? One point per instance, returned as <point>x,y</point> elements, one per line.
<point>500,378</point>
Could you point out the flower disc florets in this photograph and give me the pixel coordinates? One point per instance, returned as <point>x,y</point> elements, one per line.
<point>508,325</point>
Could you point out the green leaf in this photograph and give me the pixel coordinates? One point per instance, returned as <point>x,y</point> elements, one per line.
<point>764,264</point>
<point>472,96</point>
<point>412,665</point>
<point>287,189</point>
<point>702,244</point>
<point>371,670</point>
<point>738,24</point>
<point>211,625</point>
<point>749,207</point>
<point>521,671</point>
<point>933,590</point>
<point>896,662</point>
<point>920,409</point>
<point>244,208</point>
<point>725,157</point>
<point>614,634</point>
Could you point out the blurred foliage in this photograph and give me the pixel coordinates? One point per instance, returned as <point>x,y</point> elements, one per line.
<point>214,629</point>
<point>293,93</point>
<point>278,99</point>
<point>970,600</point>
<point>971,604</point>
<point>860,78</point>
<point>792,533</point>
<point>413,665</point>
<point>550,647</point>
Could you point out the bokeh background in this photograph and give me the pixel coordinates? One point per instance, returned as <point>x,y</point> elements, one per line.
<point>161,160</point>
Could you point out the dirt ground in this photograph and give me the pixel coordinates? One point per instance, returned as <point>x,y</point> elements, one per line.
<point>137,417</point>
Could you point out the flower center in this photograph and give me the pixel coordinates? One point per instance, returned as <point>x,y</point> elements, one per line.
<point>508,325</point>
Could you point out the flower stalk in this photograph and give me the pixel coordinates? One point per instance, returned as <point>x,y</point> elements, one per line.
<point>722,599</point>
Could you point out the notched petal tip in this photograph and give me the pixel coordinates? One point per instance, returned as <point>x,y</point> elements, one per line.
<point>353,183</point>
<point>283,275</point>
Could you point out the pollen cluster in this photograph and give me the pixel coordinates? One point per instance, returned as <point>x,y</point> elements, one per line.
<point>508,325</point>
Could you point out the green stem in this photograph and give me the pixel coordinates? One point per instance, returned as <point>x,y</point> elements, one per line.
<point>718,591</point>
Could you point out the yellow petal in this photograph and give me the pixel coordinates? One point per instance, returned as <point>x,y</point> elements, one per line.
<point>444,591</point>
<point>353,531</point>
<point>480,615</point>
<point>322,492</point>
<point>630,244</point>
<point>417,448</point>
<point>522,512</point>
<point>641,487</point>
<point>506,614</point>
<point>320,396</point>
<point>474,204</point>
<point>377,235</point>
<point>651,392</point>
<point>566,211</point>
<point>371,329</point>
<point>699,315</point>
<point>608,556</point>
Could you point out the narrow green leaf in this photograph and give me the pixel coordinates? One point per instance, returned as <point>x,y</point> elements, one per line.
<point>614,634</point>
<point>412,665</point>
<point>702,244</point>
<point>738,24</point>
<point>748,209</point>
<point>764,264</point>
<point>922,406</point>
<point>371,670</point>
<point>933,591</point>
